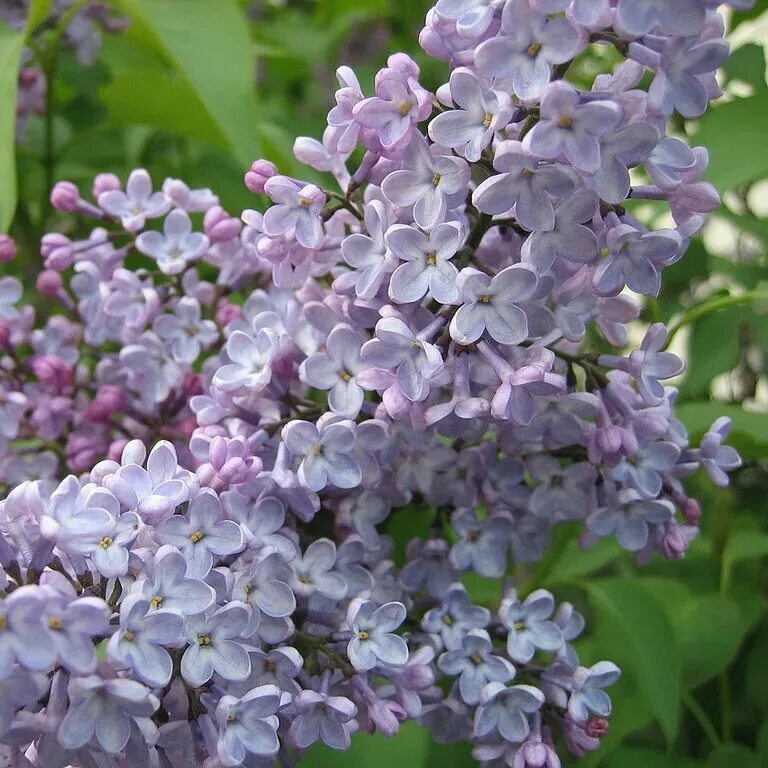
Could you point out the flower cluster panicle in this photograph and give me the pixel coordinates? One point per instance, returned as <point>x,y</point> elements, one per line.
<point>202,447</point>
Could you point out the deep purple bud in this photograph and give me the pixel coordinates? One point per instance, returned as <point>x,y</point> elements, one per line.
<point>7,248</point>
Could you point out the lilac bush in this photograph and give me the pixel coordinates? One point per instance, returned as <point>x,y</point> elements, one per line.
<point>202,449</point>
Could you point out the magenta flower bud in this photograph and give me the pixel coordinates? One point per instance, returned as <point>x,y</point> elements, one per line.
<point>65,196</point>
<point>692,512</point>
<point>54,374</point>
<point>116,447</point>
<point>57,251</point>
<point>597,727</point>
<point>5,335</point>
<point>192,384</point>
<point>7,248</point>
<point>82,452</point>
<point>226,312</point>
<point>256,178</point>
<point>105,182</point>
<point>109,400</point>
<point>220,226</point>
<point>675,542</point>
<point>49,283</point>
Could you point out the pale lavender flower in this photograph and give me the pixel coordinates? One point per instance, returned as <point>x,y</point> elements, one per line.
<point>107,710</point>
<point>346,130</point>
<point>176,247</point>
<point>334,371</point>
<point>716,458</point>
<point>325,453</point>
<point>214,645</point>
<point>472,17</point>
<point>184,331</point>
<point>72,624</point>
<point>480,113</point>
<point>455,617</point>
<point>11,290</point>
<point>588,694</point>
<point>169,588</point>
<point>251,368</point>
<point>137,204</point>
<point>313,572</point>
<point>505,711</point>
<point>321,717</point>
<point>264,587</point>
<point>261,522</point>
<point>110,557</point>
<point>415,361</point>
<point>635,260</point>
<point>638,17</point>
<point>630,521</point>
<point>24,638</point>
<point>431,182</point>
<point>150,372</point>
<point>482,545</point>
<point>529,626</point>
<point>140,642</point>
<point>527,48</point>
<point>525,183</point>
<point>297,211</point>
<point>476,665</point>
<point>201,533</point>
<point>492,305</point>
<point>428,267</point>
<point>248,725</point>
<point>373,642</point>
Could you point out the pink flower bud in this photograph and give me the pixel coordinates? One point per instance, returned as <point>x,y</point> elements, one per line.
<point>49,283</point>
<point>226,312</point>
<point>7,248</point>
<point>65,196</point>
<point>54,374</point>
<point>57,251</point>
<point>115,450</point>
<point>109,400</point>
<point>217,452</point>
<point>220,226</point>
<point>105,182</point>
<point>692,512</point>
<point>256,178</point>
<point>192,384</point>
<point>597,727</point>
<point>5,335</point>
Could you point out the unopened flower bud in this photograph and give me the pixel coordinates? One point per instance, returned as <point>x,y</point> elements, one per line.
<point>65,196</point>
<point>7,248</point>
<point>105,182</point>
<point>220,226</point>
<point>256,178</point>
<point>49,283</point>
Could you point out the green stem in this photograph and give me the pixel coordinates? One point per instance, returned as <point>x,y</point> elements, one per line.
<point>701,718</point>
<point>713,305</point>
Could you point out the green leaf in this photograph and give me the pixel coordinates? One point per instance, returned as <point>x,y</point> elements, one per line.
<point>39,11</point>
<point>162,100</point>
<point>711,630</point>
<point>734,132</point>
<point>650,649</point>
<point>731,755</point>
<point>574,562</point>
<point>747,64</point>
<point>208,45</point>
<point>631,757</point>
<point>748,427</point>
<point>742,545</point>
<point>11,46</point>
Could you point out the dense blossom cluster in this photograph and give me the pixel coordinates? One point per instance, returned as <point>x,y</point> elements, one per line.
<point>239,407</point>
<point>81,32</point>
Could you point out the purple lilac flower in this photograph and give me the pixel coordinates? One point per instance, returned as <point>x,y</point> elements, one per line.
<point>716,458</point>
<point>251,366</point>
<point>137,204</point>
<point>482,545</point>
<point>176,247</point>
<point>588,694</point>
<point>248,725</point>
<point>452,620</point>
<point>23,636</point>
<point>638,18</point>
<point>297,211</point>
<point>313,571</point>
<point>373,641</point>
<point>505,711</point>
<point>529,625</point>
<point>184,331</point>
<point>630,522</point>
<point>321,717</point>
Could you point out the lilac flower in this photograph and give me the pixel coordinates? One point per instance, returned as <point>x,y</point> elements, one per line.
<point>475,664</point>
<point>525,183</point>
<point>264,587</point>
<point>669,161</point>
<point>481,112</point>
<point>346,130</point>
<point>482,546</point>
<point>251,367</point>
<point>638,18</point>
<point>335,370</point>
<point>111,556</point>
<point>176,247</point>
<point>72,624</point>
<point>569,238</point>
<point>527,48</point>
<point>184,331</point>
<point>431,182</point>
<point>571,129</point>
<point>529,626</point>
<point>260,522</point>
<point>588,694</point>
<point>635,260</point>
<point>678,83</point>
<point>23,635</point>
<point>325,453</point>
<point>248,725</point>
<point>106,710</point>
<point>319,716</point>
<point>150,372</point>
<point>505,711</point>
<point>368,254</point>
<point>201,534</point>
<point>455,618</point>
<point>630,522</point>
<point>716,458</point>
<point>472,17</point>
<point>137,204</point>
<point>170,589</point>
<point>313,572</point>
<point>373,642</point>
<point>214,647</point>
<point>492,305</point>
<point>140,642</point>
<point>415,361</point>
<point>297,211</point>
<point>428,567</point>
<point>428,267</point>
<point>11,290</point>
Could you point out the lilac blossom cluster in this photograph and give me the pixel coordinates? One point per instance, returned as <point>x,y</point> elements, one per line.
<point>82,34</point>
<point>240,407</point>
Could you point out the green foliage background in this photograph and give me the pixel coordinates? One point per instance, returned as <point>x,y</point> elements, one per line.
<point>196,89</point>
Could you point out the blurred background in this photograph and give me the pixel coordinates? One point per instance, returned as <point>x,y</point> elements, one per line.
<point>200,88</point>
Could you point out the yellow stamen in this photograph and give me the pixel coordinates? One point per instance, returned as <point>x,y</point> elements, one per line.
<point>432,258</point>
<point>106,542</point>
<point>156,601</point>
<point>204,640</point>
<point>196,537</point>
<point>534,49</point>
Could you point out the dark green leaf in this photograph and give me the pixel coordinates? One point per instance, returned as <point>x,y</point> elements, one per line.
<point>732,755</point>
<point>650,648</point>
<point>747,64</point>
<point>630,757</point>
